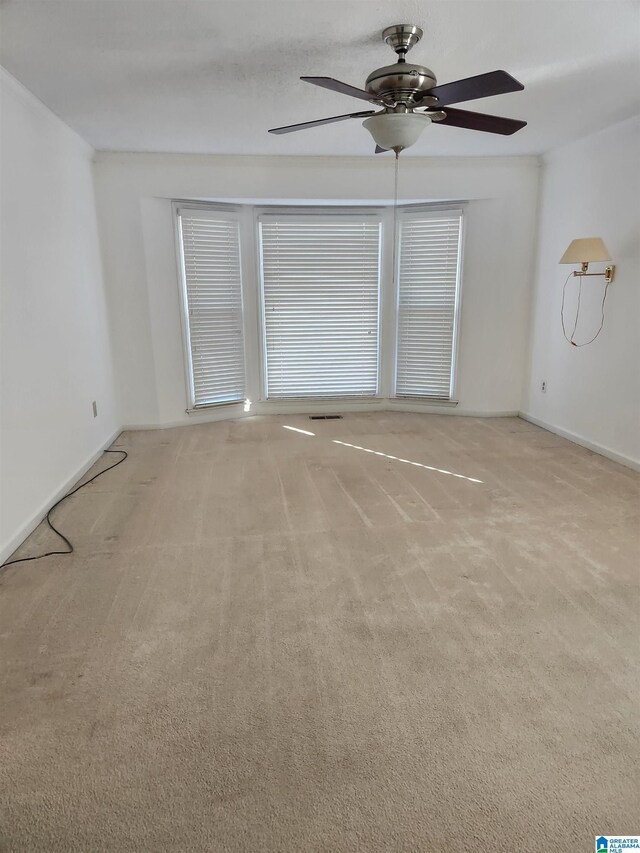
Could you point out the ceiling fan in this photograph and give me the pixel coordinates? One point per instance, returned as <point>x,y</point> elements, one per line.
<point>411,99</point>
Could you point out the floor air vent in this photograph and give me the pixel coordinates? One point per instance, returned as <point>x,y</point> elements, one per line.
<point>325,417</point>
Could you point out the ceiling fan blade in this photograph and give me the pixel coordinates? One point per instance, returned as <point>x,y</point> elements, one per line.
<point>338,86</point>
<point>290,128</point>
<point>481,121</point>
<point>380,150</point>
<point>481,86</point>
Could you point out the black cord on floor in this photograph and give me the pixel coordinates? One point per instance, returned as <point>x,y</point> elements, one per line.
<point>57,503</point>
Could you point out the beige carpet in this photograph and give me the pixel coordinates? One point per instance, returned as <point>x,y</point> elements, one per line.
<point>270,641</point>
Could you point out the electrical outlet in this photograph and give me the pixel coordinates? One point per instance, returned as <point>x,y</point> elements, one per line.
<point>94,408</point>
<point>543,387</point>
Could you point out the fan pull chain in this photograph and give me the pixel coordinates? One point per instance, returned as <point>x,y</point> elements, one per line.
<point>395,219</point>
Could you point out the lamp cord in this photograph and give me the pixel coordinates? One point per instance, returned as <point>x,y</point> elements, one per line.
<point>570,339</point>
<point>575,325</point>
<point>57,503</point>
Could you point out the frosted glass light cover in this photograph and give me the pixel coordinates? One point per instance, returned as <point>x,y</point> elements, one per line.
<point>585,250</point>
<point>396,130</point>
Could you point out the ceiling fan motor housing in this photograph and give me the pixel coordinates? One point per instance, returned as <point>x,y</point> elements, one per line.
<point>400,83</point>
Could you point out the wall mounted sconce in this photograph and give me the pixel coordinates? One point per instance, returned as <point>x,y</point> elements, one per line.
<point>585,250</point>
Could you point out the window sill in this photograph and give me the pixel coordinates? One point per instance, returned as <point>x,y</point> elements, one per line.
<point>208,406</point>
<point>322,401</point>
<point>430,401</point>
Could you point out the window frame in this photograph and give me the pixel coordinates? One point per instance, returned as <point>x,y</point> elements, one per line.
<point>320,212</point>
<point>422,211</point>
<point>252,297</point>
<point>232,213</point>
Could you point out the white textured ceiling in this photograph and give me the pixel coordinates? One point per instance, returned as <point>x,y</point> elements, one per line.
<point>204,76</point>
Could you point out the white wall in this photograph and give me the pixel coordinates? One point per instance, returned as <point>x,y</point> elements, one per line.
<point>134,193</point>
<point>590,189</point>
<point>55,352</point>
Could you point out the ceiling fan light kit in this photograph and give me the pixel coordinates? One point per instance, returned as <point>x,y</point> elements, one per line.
<point>396,131</point>
<point>404,88</point>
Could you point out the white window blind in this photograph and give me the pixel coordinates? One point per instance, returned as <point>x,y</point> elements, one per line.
<point>320,278</point>
<point>428,275</point>
<point>213,305</point>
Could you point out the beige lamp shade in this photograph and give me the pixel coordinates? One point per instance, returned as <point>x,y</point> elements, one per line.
<point>585,250</point>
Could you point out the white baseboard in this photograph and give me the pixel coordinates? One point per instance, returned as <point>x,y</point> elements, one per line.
<point>446,407</point>
<point>303,407</point>
<point>627,461</point>
<point>35,520</point>
<point>205,417</point>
